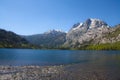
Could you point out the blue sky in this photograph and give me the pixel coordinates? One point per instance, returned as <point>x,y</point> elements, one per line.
<point>28,17</point>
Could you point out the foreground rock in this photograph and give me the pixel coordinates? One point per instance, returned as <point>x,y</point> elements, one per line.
<point>67,72</point>
<point>29,72</point>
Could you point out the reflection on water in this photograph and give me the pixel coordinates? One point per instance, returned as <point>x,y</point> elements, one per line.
<point>52,57</point>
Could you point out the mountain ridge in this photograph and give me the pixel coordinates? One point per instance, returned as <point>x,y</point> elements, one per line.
<point>81,35</point>
<point>50,39</point>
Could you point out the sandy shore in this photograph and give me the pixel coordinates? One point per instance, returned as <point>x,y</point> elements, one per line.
<point>62,72</point>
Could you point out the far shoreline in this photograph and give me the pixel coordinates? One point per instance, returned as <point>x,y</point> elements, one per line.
<point>66,49</point>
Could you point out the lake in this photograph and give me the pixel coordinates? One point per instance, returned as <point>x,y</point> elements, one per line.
<point>57,57</point>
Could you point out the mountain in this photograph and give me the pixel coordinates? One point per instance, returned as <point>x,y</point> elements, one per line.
<point>9,39</point>
<point>87,32</point>
<point>50,39</point>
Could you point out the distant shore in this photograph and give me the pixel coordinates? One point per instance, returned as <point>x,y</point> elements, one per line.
<point>61,72</point>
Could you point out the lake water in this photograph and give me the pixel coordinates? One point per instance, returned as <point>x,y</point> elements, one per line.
<point>57,57</point>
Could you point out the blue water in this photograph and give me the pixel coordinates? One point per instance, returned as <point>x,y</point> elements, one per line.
<point>57,57</point>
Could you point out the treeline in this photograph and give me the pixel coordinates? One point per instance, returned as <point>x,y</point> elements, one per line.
<point>107,46</point>
<point>23,46</point>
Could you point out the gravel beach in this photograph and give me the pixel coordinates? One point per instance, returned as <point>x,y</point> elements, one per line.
<point>61,72</point>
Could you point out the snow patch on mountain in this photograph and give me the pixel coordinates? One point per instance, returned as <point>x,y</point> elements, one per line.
<point>80,25</point>
<point>54,31</point>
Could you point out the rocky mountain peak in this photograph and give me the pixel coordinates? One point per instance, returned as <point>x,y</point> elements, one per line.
<point>87,31</point>
<point>95,23</point>
<point>90,23</point>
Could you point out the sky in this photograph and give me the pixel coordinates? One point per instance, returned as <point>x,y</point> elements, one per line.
<point>27,17</point>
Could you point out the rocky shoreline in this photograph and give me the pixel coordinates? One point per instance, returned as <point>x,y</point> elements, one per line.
<point>61,72</point>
